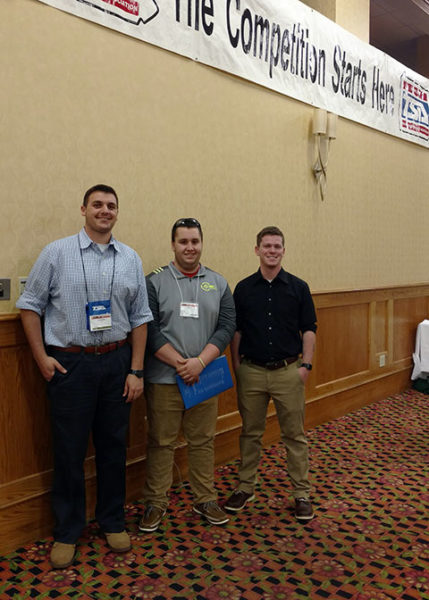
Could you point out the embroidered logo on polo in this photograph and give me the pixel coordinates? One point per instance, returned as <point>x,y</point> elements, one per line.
<point>132,11</point>
<point>208,287</point>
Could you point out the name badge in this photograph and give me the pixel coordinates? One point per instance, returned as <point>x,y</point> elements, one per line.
<point>189,309</point>
<point>98,315</point>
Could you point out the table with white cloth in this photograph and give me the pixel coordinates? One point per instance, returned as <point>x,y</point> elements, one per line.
<point>421,352</point>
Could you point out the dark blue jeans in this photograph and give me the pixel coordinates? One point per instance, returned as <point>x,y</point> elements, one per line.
<point>88,398</point>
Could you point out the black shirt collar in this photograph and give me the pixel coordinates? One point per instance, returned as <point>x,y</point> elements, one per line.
<point>282,275</point>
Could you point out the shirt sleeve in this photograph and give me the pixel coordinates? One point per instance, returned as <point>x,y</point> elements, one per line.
<point>140,312</point>
<point>237,295</point>
<point>36,294</point>
<point>226,322</point>
<point>155,339</point>
<point>308,319</point>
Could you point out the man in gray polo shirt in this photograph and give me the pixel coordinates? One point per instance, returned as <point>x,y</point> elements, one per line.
<point>194,320</point>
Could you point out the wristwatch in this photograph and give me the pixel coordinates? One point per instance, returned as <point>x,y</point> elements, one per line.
<point>307,366</point>
<point>137,372</point>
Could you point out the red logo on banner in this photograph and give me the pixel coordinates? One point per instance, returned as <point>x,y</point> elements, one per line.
<point>131,11</point>
<point>129,6</point>
<point>414,109</point>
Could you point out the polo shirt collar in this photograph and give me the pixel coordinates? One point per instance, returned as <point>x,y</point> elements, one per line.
<point>180,275</point>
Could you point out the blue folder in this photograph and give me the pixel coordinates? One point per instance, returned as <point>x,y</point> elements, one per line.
<point>214,379</point>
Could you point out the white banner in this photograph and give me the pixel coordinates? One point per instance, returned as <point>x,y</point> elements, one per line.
<point>280,44</point>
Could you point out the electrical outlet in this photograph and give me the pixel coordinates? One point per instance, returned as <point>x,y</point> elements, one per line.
<point>4,289</point>
<point>22,281</point>
<point>382,360</point>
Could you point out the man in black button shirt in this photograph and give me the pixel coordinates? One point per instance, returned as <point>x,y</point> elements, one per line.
<point>276,326</point>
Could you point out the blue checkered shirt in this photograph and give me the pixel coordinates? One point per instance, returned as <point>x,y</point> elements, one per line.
<point>56,289</point>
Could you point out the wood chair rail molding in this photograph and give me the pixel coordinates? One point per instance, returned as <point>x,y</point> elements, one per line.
<point>364,349</point>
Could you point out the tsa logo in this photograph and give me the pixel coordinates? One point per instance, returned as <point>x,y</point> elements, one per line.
<point>414,117</point>
<point>132,11</point>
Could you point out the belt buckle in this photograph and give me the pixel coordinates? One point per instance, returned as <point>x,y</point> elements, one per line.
<point>277,364</point>
<point>96,352</point>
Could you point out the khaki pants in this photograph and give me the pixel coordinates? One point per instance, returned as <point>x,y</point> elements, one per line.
<point>255,387</point>
<point>166,415</point>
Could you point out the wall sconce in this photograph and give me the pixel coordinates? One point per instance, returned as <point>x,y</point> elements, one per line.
<point>325,130</point>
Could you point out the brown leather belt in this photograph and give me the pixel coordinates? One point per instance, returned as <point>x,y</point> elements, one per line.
<point>272,366</point>
<point>91,349</point>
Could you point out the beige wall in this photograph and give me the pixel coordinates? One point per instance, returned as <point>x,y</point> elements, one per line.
<point>82,104</point>
<point>352,15</point>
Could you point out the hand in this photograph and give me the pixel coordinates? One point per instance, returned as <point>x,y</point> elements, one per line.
<point>236,363</point>
<point>303,373</point>
<point>189,370</point>
<point>48,365</point>
<point>133,387</point>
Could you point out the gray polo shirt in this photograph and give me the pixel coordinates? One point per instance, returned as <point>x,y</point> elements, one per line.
<point>167,288</point>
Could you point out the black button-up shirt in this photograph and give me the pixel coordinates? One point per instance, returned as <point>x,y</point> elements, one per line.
<point>272,317</point>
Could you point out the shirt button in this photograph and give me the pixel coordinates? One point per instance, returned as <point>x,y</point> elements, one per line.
<point>269,299</point>
<point>270,328</point>
<point>270,343</point>
<point>269,314</point>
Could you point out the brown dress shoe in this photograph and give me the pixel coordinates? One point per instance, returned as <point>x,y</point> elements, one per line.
<point>152,518</point>
<point>303,509</point>
<point>118,542</point>
<point>238,500</point>
<point>212,512</point>
<point>62,555</point>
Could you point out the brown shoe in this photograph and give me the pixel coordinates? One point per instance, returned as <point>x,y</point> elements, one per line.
<point>212,512</point>
<point>238,500</point>
<point>303,509</point>
<point>118,542</point>
<point>152,518</point>
<point>62,555</point>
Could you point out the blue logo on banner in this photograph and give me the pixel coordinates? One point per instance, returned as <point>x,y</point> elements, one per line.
<point>414,117</point>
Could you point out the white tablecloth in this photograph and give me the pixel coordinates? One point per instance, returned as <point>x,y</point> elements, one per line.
<point>421,353</point>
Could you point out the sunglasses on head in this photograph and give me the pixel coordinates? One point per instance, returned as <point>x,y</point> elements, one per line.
<point>187,222</point>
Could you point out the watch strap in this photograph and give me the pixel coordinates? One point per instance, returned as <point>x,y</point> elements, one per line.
<point>137,372</point>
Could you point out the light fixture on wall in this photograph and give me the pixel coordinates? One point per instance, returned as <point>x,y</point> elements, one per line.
<point>325,130</point>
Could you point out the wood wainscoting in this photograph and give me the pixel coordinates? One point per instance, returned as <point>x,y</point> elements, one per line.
<point>358,332</point>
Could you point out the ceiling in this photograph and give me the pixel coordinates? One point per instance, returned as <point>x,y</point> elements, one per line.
<point>395,27</point>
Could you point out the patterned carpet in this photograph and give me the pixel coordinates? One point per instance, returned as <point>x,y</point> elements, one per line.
<point>369,540</point>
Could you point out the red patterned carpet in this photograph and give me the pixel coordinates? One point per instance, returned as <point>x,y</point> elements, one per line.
<point>369,540</point>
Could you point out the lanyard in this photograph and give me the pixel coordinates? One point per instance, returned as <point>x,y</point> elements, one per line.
<point>185,351</point>
<point>180,289</point>
<point>84,272</point>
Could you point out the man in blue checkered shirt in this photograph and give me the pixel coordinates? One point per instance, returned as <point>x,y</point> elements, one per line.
<point>90,291</point>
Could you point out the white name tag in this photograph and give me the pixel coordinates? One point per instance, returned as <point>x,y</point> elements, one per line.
<point>189,309</point>
<point>98,315</point>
